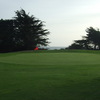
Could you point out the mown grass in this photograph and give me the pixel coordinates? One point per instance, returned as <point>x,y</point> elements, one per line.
<point>50,75</point>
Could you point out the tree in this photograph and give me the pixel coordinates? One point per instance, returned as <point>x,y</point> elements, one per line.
<point>6,35</point>
<point>93,37</point>
<point>75,46</point>
<point>30,31</point>
<point>90,41</point>
<point>23,32</point>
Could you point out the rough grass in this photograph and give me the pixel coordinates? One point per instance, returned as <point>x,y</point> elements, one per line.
<point>50,75</point>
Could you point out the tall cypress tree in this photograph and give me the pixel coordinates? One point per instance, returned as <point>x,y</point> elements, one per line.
<point>23,32</point>
<point>30,30</point>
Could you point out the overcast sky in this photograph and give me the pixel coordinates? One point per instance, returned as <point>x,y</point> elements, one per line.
<point>66,20</point>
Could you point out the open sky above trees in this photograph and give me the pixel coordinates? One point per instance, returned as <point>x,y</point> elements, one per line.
<point>66,20</point>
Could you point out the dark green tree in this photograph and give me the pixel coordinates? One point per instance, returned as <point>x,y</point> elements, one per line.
<point>6,35</point>
<point>23,32</point>
<point>75,46</point>
<point>93,37</point>
<point>90,41</point>
<point>30,31</point>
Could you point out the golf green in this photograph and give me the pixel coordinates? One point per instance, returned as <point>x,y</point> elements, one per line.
<point>50,76</point>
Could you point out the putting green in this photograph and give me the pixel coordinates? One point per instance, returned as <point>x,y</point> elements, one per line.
<point>49,76</point>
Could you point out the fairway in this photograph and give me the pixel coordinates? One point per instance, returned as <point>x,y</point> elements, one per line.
<point>50,76</point>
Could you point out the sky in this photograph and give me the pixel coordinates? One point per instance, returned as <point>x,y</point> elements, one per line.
<point>66,20</point>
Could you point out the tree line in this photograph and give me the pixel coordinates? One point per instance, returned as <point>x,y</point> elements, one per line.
<point>25,32</point>
<point>91,41</point>
<point>22,32</point>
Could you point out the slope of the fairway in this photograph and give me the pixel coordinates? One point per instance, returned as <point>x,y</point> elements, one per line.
<point>51,58</point>
<point>49,76</point>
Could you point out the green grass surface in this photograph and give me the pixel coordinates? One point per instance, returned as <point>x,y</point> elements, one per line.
<point>50,75</point>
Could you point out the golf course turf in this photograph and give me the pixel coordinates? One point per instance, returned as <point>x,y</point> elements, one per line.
<point>50,75</point>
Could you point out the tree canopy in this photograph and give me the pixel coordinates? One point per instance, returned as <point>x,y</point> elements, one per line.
<point>23,32</point>
<point>90,41</point>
